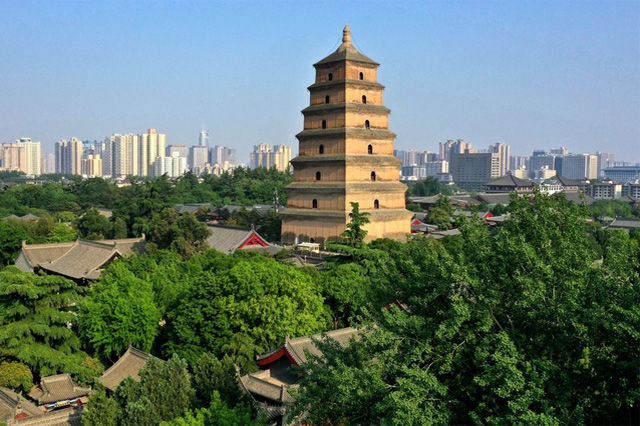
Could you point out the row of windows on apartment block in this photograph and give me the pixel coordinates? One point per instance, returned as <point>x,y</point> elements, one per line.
<point>369,149</point>
<point>314,204</point>
<point>367,125</point>
<point>319,176</point>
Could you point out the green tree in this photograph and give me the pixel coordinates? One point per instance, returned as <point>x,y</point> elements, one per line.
<point>211,375</point>
<point>181,233</point>
<point>11,238</point>
<point>101,410</point>
<point>16,376</point>
<point>355,233</point>
<point>218,414</point>
<point>119,311</point>
<point>37,322</point>
<point>242,305</point>
<point>93,226</point>
<point>62,233</point>
<point>119,228</point>
<point>163,394</point>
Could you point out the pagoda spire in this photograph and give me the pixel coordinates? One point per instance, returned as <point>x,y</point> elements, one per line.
<point>346,36</point>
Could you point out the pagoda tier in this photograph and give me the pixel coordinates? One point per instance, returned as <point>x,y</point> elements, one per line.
<point>345,155</point>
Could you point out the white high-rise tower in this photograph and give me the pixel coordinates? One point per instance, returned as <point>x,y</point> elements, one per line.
<point>204,137</point>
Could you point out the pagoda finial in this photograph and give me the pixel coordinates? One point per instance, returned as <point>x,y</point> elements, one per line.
<point>346,36</point>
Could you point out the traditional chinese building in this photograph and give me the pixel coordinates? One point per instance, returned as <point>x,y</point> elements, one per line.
<point>345,155</point>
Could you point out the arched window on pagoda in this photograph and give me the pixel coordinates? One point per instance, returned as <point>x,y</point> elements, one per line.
<point>364,99</point>
<point>314,204</point>
<point>376,204</point>
<point>330,76</point>
<point>326,99</point>
<point>324,124</point>
<point>321,149</point>
<point>361,76</point>
<point>373,175</point>
<point>370,149</point>
<point>367,125</point>
<point>318,176</point>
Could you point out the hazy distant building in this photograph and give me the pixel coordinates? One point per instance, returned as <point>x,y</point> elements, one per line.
<point>23,155</point>
<point>203,140</point>
<point>606,190</point>
<point>268,156</point>
<point>450,147</point>
<point>621,174</point>
<point>69,156</point>
<point>13,156</point>
<point>222,154</point>
<point>505,154</point>
<point>578,166</point>
<point>92,165</point>
<point>436,168</point>
<point>198,158</point>
<point>518,162</point>
<point>49,163</point>
<point>181,149</point>
<point>605,160</point>
<point>173,166</point>
<point>471,171</point>
<point>541,160</point>
<point>559,151</point>
<point>413,172</point>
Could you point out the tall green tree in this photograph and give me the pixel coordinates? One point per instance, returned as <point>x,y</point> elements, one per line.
<point>118,311</point>
<point>355,233</point>
<point>37,322</point>
<point>11,238</point>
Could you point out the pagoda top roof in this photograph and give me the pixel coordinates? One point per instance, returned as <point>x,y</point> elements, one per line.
<point>346,52</point>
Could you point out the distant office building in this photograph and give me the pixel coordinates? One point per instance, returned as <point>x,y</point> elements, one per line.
<point>69,156</point>
<point>559,151</point>
<point>622,174</point>
<point>505,154</point>
<point>605,160</point>
<point>122,155</point>
<point>578,166</point>
<point>413,172</point>
<point>203,140</point>
<point>174,166</point>
<point>222,154</point>
<point>541,160</point>
<point>632,189</point>
<point>198,159</point>
<point>472,170</point>
<point>518,162</point>
<point>181,149</point>
<point>268,156</point>
<point>436,168</point>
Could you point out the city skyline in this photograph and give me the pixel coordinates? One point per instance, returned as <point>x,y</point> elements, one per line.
<point>533,75</point>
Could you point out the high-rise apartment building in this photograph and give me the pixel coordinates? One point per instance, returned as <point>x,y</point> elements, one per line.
<point>541,160</point>
<point>505,154</point>
<point>92,165</point>
<point>578,166</point>
<point>49,163</point>
<point>345,155</point>
<point>13,156</point>
<point>152,145</point>
<point>181,149</point>
<point>69,156</point>
<point>173,166</point>
<point>450,147</point>
<point>268,156</point>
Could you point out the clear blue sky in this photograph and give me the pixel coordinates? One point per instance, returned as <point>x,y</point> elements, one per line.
<point>532,74</point>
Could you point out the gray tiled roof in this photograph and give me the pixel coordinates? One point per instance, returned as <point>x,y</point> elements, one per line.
<point>227,239</point>
<point>81,258</point>
<point>129,364</point>
<point>57,388</point>
<point>12,404</point>
<point>509,180</point>
<point>261,383</point>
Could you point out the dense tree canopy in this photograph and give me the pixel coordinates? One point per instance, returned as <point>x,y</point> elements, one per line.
<point>516,326</point>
